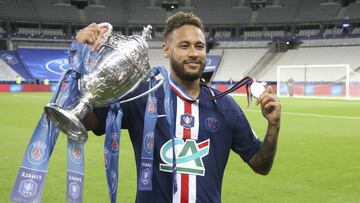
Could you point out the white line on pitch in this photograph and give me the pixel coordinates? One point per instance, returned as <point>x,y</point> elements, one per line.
<point>316,115</point>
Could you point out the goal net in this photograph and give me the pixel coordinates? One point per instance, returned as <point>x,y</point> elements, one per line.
<point>320,81</point>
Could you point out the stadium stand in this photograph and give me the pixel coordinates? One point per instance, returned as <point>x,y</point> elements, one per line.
<point>236,61</point>
<point>332,32</point>
<point>223,35</point>
<point>316,10</point>
<point>280,13</point>
<point>352,11</point>
<point>157,59</point>
<point>6,72</point>
<point>314,56</point>
<point>309,33</point>
<point>241,35</point>
<point>356,31</point>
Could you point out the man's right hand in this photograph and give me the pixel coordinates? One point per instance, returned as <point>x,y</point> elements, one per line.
<point>92,35</point>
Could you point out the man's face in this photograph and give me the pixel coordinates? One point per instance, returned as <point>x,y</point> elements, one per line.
<point>186,49</point>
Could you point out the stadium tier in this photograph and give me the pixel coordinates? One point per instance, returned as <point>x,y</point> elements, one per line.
<point>243,40</point>
<point>307,51</point>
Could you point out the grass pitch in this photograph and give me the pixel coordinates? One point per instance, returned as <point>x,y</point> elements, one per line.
<point>318,157</point>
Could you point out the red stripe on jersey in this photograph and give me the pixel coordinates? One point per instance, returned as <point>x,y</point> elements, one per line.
<point>184,188</point>
<point>187,131</point>
<point>185,177</point>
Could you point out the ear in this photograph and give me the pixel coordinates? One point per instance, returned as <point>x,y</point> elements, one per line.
<point>165,48</point>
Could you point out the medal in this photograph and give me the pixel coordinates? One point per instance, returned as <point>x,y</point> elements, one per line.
<point>256,89</point>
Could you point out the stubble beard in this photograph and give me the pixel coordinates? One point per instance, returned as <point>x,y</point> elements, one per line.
<point>179,70</point>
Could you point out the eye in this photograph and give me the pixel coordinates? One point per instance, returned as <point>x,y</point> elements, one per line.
<point>200,46</point>
<point>184,46</point>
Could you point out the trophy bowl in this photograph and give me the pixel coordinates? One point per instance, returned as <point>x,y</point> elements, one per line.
<point>121,66</point>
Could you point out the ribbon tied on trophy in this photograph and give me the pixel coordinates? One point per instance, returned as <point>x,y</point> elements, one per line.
<point>120,65</point>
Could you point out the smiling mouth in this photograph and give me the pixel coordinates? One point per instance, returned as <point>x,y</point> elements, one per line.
<point>192,63</point>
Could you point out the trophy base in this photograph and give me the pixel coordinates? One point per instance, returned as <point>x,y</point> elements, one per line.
<point>67,122</point>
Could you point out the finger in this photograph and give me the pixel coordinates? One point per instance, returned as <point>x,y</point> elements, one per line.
<point>94,26</point>
<point>94,32</point>
<point>91,36</point>
<point>88,34</point>
<point>270,106</point>
<point>269,89</point>
<point>267,98</point>
<point>90,40</point>
<point>261,97</point>
<point>103,30</point>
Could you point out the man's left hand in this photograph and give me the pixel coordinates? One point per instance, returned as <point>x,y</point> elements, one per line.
<point>270,106</point>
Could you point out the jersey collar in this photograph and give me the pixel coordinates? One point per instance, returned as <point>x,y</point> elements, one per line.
<point>179,91</point>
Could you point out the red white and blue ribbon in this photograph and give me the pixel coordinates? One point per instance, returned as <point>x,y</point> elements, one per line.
<point>246,81</point>
<point>180,91</point>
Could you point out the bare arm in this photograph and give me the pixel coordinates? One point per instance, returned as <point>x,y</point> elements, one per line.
<point>90,121</point>
<point>263,160</point>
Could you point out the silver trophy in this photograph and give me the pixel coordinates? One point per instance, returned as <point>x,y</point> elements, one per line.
<point>122,64</point>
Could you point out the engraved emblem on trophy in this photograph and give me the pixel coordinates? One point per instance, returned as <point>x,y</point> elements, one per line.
<point>121,66</point>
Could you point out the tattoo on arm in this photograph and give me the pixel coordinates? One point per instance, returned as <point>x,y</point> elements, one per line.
<point>262,161</point>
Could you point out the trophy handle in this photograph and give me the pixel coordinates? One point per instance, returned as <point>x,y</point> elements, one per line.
<point>145,93</point>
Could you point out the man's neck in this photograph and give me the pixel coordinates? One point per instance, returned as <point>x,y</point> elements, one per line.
<point>191,87</point>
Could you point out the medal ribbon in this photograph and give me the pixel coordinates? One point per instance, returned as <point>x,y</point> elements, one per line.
<point>112,148</point>
<point>32,173</point>
<point>246,81</point>
<point>147,152</point>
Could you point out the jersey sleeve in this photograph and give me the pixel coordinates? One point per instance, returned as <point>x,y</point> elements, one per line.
<point>244,141</point>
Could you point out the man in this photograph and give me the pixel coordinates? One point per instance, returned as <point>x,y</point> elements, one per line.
<point>212,128</point>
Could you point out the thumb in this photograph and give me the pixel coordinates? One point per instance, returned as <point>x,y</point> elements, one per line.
<point>269,89</point>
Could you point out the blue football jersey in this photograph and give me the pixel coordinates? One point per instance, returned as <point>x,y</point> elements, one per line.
<point>205,132</point>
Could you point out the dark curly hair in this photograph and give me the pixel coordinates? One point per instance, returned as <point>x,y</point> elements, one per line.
<point>179,19</point>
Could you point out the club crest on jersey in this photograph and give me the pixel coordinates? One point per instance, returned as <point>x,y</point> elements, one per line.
<point>74,190</point>
<point>28,188</point>
<point>149,142</point>
<point>107,158</point>
<point>212,124</point>
<point>38,152</point>
<point>189,155</point>
<point>75,152</point>
<point>151,108</point>
<point>114,143</point>
<point>187,120</point>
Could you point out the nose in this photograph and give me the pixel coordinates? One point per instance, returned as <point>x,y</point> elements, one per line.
<point>193,52</point>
